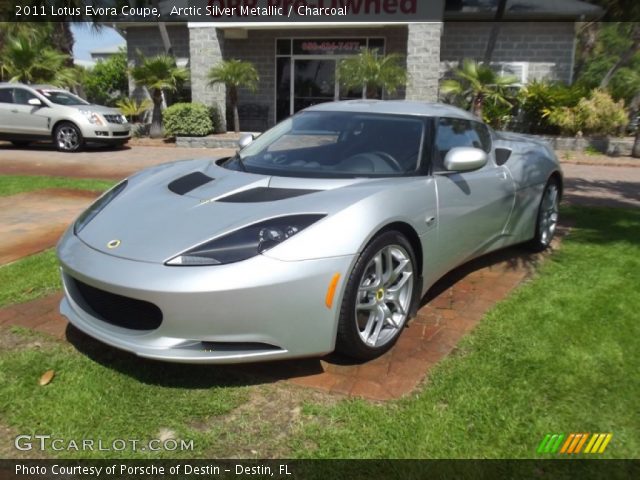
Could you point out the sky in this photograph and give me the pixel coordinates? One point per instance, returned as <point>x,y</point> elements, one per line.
<point>86,39</point>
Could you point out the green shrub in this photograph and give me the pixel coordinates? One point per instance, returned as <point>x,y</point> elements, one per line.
<point>187,119</point>
<point>597,115</point>
<point>538,98</point>
<point>133,108</point>
<point>107,82</point>
<point>498,115</point>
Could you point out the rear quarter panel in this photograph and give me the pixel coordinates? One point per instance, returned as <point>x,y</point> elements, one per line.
<point>532,162</point>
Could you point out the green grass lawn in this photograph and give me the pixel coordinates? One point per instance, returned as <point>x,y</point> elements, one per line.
<point>29,278</point>
<point>12,184</point>
<point>560,355</point>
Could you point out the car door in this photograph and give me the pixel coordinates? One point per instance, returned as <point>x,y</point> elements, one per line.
<point>6,105</point>
<point>474,206</point>
<point>32,120</point>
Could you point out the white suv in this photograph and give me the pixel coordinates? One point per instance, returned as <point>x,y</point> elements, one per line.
<point>38,112</point>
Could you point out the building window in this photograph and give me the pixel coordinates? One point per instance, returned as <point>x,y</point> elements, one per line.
<point>519,70</point>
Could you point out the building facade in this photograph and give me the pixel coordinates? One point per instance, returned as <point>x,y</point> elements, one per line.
<point>297,64</point>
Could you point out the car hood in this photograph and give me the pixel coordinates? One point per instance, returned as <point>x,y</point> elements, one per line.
<point>169,209</point>
<point>94,108</point>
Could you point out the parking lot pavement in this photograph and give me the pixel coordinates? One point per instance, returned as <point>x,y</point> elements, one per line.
<point>43,159</point>
<point>598,185</point>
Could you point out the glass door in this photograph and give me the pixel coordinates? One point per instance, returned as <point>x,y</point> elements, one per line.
<point>314,82</point>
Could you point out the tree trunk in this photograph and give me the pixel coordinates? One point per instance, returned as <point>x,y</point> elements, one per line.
<point>495,31</point>
<point>233,97</point>
<point>635,151</point>
<point>62,39</point>
<point>477,105</point>
<point>588,40</point>
<point>156,117</point>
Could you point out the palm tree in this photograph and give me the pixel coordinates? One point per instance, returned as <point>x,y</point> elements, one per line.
<point>234,74</point>
<point>372,72</point>
<point>30,60</point>
<point>476,83</point>
<point>158,74</point>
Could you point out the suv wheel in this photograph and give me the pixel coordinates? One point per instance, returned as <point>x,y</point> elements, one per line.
<point>67,137</point>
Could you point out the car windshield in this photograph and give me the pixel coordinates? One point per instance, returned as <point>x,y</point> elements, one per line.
<point>336,145</point>
<point>62,98</point>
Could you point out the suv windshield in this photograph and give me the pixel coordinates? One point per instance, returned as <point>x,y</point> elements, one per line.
<point>62,98</point>
<point>336,145</point>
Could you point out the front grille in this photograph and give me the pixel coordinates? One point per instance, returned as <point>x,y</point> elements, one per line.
<point>121,134</point>
<point>117,310</point>
<point>118,119</point>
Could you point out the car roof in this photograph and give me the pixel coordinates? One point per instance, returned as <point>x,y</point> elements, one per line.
<point>35,87</point>
<point>397,107</point>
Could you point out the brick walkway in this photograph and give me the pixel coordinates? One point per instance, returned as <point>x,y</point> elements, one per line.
<point>34,221</point>
<point>453,308</point>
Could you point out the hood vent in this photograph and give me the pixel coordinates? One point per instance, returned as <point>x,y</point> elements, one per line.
<point>264,194</point>
<point>189,182</point>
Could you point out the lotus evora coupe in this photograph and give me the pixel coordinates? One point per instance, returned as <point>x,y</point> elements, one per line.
<point>322,233</point>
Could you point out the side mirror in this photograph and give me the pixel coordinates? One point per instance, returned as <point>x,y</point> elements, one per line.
<point>35,102</point>
<point>465,159</point>
<point>245,140</point>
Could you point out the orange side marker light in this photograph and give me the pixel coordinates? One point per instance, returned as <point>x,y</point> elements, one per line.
<point>331,291</point>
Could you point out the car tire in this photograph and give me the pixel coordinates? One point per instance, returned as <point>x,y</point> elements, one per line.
<point>20,143</point>
<point>547,217</point>
<point>378,297</point>
<point>67,137</point>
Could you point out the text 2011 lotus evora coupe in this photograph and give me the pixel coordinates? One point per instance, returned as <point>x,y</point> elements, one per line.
<point>323,233</point>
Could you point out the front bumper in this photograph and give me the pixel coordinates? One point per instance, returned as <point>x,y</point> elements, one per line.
<point>109,133</point>
<point>255,310</point>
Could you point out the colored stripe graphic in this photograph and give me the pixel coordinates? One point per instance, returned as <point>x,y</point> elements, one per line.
<point>574,443</point>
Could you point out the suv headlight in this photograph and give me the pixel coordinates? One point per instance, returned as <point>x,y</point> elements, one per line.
<point>97,206</point>
<point>93,117</point>
<point>246,242</point>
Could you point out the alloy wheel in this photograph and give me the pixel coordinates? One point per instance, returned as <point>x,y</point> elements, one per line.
<point>548,218</point>
<point>68,138</point>
<point>384,296</point>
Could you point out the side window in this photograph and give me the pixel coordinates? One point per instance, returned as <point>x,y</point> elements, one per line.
<point>22,96</point>
<point>6,95</point>
<point>455,132</point>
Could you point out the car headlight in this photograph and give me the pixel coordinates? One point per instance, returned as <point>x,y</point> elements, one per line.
<point>97,206</point>
<point>93,117</point>
<point>246,242</point>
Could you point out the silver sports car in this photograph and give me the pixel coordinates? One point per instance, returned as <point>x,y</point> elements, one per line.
<point>323,233</point>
